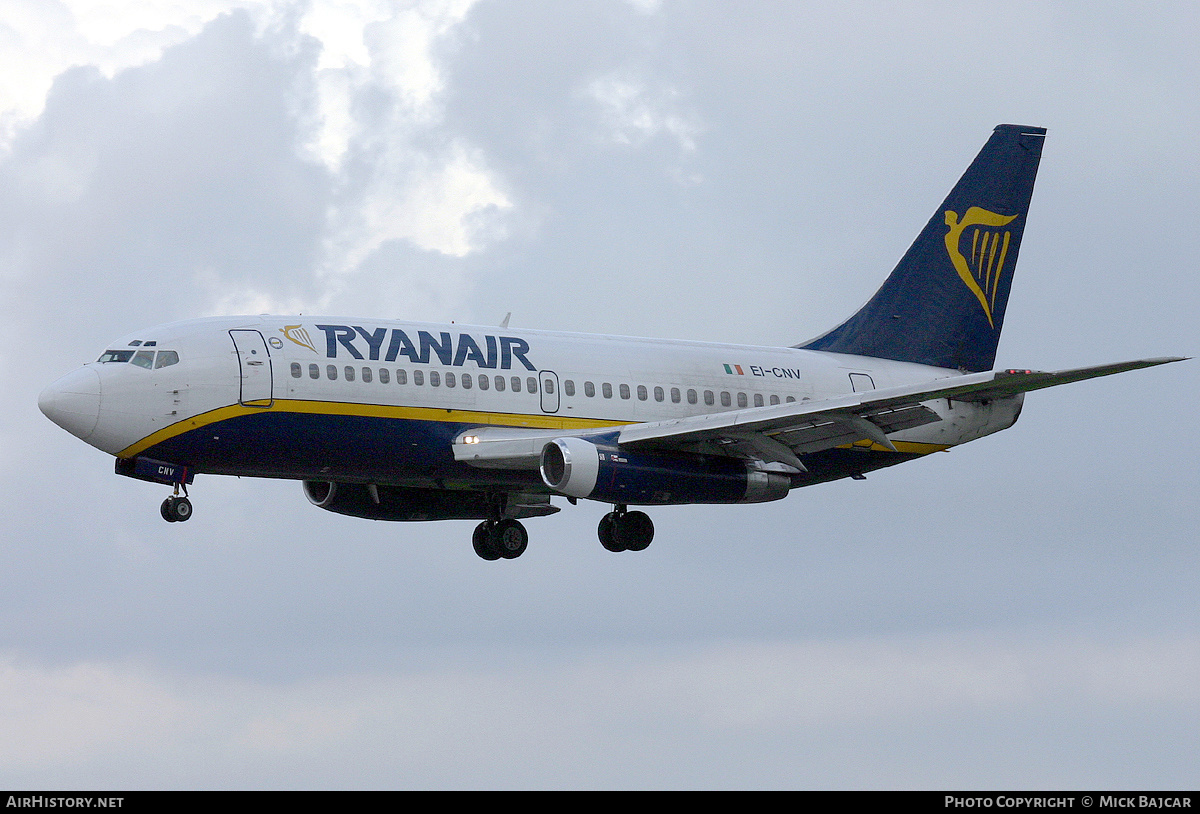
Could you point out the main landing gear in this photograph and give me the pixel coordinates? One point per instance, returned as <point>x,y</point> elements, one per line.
<point>622,530</point>
<point>496,539</point>
<point>506,538</point>
<point>176,509</point>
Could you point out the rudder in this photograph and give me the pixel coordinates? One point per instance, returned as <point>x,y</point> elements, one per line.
<point>944,302</point>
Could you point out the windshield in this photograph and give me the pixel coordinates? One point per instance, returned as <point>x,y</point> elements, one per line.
<point>141,358</point>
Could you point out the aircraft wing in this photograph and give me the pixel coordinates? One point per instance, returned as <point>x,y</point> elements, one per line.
<point>779,434</point>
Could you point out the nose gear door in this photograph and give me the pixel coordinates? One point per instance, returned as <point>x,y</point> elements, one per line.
<point>255,362</point>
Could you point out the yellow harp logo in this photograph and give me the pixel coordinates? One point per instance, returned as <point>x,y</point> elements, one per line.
<point>980,268</point>
<point>297,334</point>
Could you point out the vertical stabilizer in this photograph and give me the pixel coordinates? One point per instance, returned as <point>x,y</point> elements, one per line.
<point>944,303</point>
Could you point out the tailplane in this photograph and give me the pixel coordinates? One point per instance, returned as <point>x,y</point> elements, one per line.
<point>943,305</point>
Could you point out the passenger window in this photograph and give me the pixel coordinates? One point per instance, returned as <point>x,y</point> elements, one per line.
<point>314,371</point>
<point>384,377</point>
<point>295,370</point>
<point>144,358</point>
<point>742,402</point>
<point>366,374</point>
<point>466,381</point>
<point>774,399</point>
<point>726,401</point>
<point>758,400</point>
<point>709,399</point>
<point>484,381</point>
<point>606,390</point>
<point>331,373</point>
<point>589,389</point>
<point>569,387</point>
<point>500,384</point>
<point>516,384</point>
<point>692,399</point>
<point>548,386</point>
<point>418,377</point>
<point>659,395</point>
<point>674,395</point>
<point>624,391</point>
<point>435,379</point>
<point>401,376</point>
<point>450,380</point>
<point>166,358</point>
<point>790,399</point>
<point>531,384</point>
<point>642,392</point>
<point>349,373</point>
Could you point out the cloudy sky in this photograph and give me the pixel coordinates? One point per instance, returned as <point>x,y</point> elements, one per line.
<point>1021,612</point>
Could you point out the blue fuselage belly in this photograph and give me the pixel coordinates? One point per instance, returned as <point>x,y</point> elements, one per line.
<point>403,452</point>
<point>279,444</point>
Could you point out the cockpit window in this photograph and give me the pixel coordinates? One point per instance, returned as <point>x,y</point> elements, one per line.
<point>141,358</point>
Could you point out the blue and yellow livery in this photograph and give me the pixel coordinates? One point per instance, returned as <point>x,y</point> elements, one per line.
<point>404,421</point>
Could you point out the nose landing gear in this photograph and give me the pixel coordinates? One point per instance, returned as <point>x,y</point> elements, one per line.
<point>176,509</point>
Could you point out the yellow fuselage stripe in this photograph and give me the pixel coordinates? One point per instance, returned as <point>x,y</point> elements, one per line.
<point>532,421</point>
<point>547,422</point>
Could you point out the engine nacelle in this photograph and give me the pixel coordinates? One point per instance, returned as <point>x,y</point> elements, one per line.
<point>579,468</point>
<point>407,503</point>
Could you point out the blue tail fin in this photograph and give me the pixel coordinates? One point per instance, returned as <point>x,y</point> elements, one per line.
<point>944,303</point>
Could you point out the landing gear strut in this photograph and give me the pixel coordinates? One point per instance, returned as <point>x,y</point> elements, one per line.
<point>496,539</point>
<point>622,530</point>
<point>176,509</point>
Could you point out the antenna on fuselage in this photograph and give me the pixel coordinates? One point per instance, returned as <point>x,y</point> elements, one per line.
<point>504,322</point>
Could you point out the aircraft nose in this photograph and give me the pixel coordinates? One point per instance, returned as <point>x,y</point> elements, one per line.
<point>73,402</point>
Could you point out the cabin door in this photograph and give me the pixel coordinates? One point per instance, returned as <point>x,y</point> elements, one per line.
<point>549,381</point>
<point>255,362</point>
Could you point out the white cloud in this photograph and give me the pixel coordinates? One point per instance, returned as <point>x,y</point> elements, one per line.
<point>633,113</point>
<point>368,112</point>
<point>39,39</point>
<point>430,198</point>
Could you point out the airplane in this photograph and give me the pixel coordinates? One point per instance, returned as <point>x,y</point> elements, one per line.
<point>392,420</point>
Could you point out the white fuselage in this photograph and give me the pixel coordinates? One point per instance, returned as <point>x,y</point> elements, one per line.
<point>196,380</point>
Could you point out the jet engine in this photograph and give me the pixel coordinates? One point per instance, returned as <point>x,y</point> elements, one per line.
<point>382,502</point>
<point>578,467</point>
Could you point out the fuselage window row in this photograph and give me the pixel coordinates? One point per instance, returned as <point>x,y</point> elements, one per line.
<point>484,382</point>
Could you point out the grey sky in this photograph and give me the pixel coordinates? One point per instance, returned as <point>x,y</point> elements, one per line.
<point>1020,612</point>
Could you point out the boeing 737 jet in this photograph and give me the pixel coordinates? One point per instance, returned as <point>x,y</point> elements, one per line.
<point>407,421</point>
